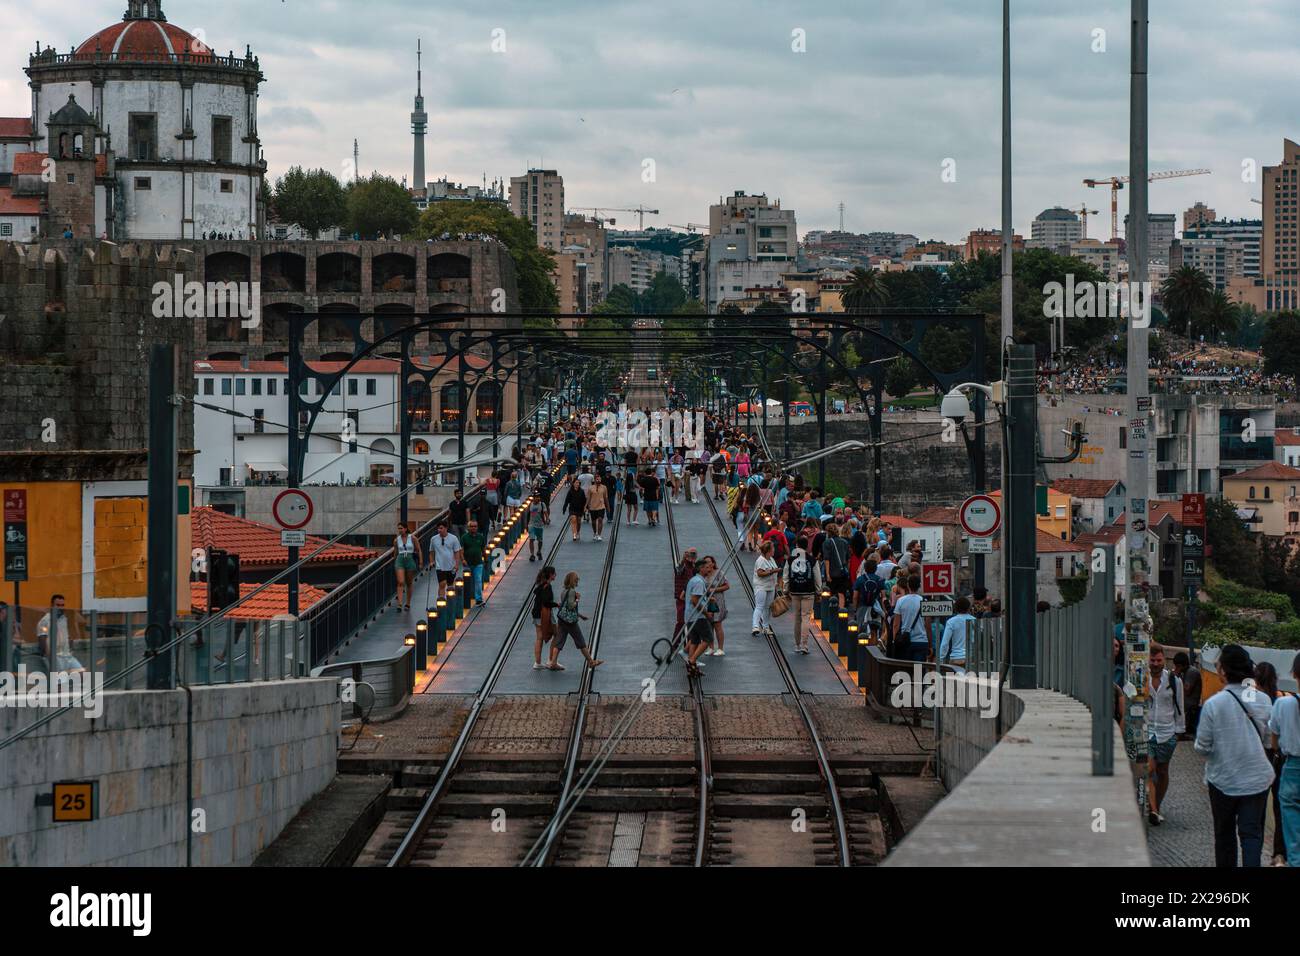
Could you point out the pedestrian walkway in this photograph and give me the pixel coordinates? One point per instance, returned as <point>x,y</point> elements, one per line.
<point>1186,838</point>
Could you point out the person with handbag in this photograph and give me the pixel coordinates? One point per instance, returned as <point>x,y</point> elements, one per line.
<point>765,577</point>
<point>1238,774</point>
<point>568,614</point>
<point>543,612</point>
<point>910,642</point>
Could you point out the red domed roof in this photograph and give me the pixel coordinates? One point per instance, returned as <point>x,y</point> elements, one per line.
<point>148,40</point>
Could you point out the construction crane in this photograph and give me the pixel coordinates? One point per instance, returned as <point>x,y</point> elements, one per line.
<point>1116,183</point>
<point>1084,212</point>
<point>689,226</point>
<point>641,212</point>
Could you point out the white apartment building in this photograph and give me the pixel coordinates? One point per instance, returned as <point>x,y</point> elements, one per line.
<point>636,268</point>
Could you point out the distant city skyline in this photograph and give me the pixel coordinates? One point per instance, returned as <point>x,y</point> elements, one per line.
<point>717,98</point>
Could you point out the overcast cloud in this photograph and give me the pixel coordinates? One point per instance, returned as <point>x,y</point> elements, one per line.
<point>712,91</point>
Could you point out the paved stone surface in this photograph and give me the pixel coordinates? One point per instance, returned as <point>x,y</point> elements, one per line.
<point>523,724</point>
<point>848,727</point>
<point>665,727</point>
<point>1186,838</point>
<point>756,725</point>
<point>1033,801</point>
<point>427,728</point>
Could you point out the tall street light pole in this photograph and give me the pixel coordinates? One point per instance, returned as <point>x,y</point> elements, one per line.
<point>1137,616</point>
<point>1007,231</point>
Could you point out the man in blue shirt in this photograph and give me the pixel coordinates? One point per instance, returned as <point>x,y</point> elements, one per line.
<point>952,646</point>
<point>909,623</point>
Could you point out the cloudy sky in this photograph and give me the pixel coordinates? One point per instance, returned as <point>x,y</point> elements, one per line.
<point>715,93</point>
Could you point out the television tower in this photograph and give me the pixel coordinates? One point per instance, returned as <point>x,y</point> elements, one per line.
<point>419,123</point>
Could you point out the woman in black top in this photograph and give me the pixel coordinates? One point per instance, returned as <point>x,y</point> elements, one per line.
<point>575,503</point>
<point>543,612</point>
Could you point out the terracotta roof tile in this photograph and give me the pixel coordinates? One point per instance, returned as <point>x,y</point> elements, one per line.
<point>11,205</point>
<point>1286,436</point>
<point>1272,470</point>
<point>900,521</point>
<point>937,514</point>
<point>258,545</point>
<point>266,606</point>
<point>29,164</point>
<point>16,127</point>
<point>1085,487</point>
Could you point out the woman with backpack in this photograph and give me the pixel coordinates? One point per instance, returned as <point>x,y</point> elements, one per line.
<point>1238,775</point>
<point>543,612</point>
<point>568,614</point>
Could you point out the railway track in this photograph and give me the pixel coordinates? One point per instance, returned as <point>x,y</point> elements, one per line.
<point>836,845</point>
<point>437,813</point>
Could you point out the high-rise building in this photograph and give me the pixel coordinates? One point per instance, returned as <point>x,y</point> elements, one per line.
<point>1160,234</point>
<point>538,196</point>
<point>637,268</point>
<point>1280,244</point>
<point>1246,232</point>
<point>1198,216</point>
<point>751,243</point>
<point>1220,259</point>
<point>1055,227</point>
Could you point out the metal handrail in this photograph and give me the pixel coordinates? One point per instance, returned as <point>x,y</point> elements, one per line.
<point>391,696</point>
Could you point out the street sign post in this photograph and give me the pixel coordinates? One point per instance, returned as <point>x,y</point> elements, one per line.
<point>938,579</point>
<point>15,547</point>
<point>980,516</point>
<point>292,509</point>
<point>936,607</point>
<point>1193,557</point>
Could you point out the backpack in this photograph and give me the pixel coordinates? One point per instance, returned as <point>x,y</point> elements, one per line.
<point>837,561</point>
<point>801,575</point>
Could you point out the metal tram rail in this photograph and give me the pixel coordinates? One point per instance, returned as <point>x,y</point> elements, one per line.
<point>429,809</point>
<point>792,685</point>
<point>543,852</point>
<point>703,743</point>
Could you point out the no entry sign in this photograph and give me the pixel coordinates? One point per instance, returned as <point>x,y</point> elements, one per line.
<point>292,509</point>
<point>980,516</point>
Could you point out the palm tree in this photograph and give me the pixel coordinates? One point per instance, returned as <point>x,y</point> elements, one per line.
<point>864,292</point>
<point>1220,317</point>
<point>1186,294</point>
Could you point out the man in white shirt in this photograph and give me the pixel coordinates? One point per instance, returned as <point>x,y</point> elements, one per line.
<point>445,556</point>
<point>1166,721</point>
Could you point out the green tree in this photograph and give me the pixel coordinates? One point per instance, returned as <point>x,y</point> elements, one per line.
<point>664,295</point>
<point>901,377</point>
<point>379,206</point>
<point>1186,294</point>
<point>1236,555</point>
<point>534,266</point>
<point>1219,318</point>
<point>1281,344</point>
<point>864,292</point>
<point>313,200</point>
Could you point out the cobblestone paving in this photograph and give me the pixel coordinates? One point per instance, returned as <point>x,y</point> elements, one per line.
<point>428,727</point>
<point>756,725</point>
<point>847,727</point>
<point>1186,838</point>
<point>523,724</point>
<point>665,727</point>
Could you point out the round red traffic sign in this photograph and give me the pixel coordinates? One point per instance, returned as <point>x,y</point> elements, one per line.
<point>292,509</point>
<point>980,516</point>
